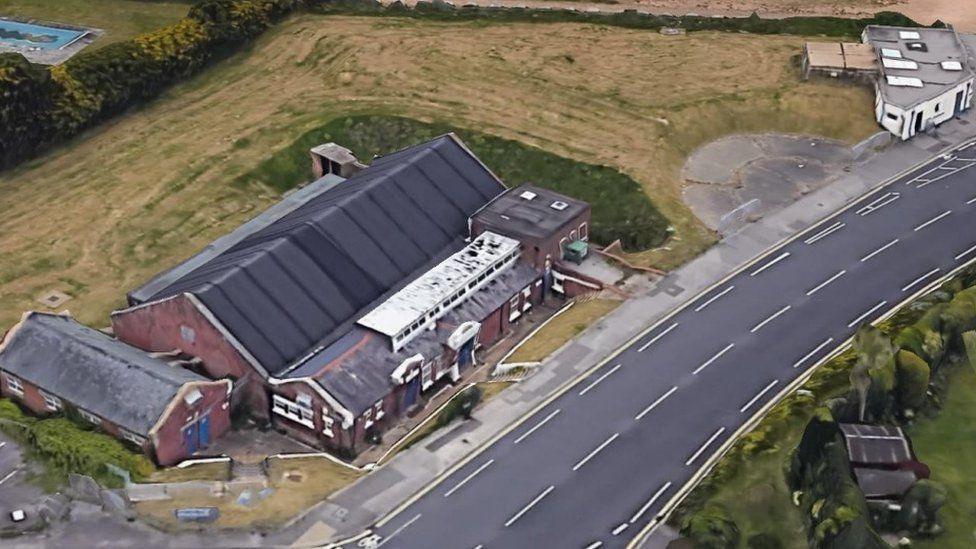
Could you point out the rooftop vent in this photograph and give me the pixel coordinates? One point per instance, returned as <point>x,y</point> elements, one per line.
<point>891,52</point>
<point>909,35</point>
<point>904,81</point>
<point>917,46</point>
<point>899,64</point>
<point>559,205</point>
<point>951,65</point>
<point>528,195</point>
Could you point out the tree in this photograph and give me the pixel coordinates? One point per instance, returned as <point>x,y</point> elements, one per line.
<point>969,341</point>
<point>913,379</point>
<point>874,353</point>
<point>920,506</point>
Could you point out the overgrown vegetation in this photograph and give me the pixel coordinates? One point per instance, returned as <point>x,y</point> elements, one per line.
<point>63,447</point>
<point>620,207</point>
<point>893,374</point>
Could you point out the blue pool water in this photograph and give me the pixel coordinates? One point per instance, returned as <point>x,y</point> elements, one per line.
<point>38,36</point>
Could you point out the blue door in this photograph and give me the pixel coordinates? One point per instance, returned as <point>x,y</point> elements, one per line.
<point>190,437</point>
<point>204,429</point>
<point>411,393</point>
<point>466,354</point>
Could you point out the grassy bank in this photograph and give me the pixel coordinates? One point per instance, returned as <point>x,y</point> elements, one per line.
<point>561,329</point>
<point>120,19</point>
<point>620,209</point>
<point>947,444</point>
<point>151,187</point>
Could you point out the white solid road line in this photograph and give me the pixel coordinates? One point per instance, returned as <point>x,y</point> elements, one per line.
<point>655,403</point>
<point>919,279</point>
<point>813,352</point>
<point>879,250</point>
<point>769,319</point>
<point>620,528</point>
<point>760,395</point>
<point>713,359</point>
<point>704,446</point>
<point>599,379</point>
<point>933,220</point>
<point>825,233</point>
<point>971,200</point>
<point>529,506</point>
<point>537,425</point>
<point>949,171</point>
<point>398,530</point>
<point>657,337</point>
<point>865,315</point>
<point>595,451</point>
<point>10,474</point>
<point>779,258</point>
<point>878,203</point>
<point>716,296</point>
<point>650,502</point>
<point>967,251</point>
<point>825,282</point>
<point>469,477</point>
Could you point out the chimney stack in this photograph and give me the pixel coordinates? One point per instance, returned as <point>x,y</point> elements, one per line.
<point>335,159</point>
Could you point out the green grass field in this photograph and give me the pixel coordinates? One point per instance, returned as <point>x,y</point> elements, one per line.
<point>120,19</point>
<point>947,444</point>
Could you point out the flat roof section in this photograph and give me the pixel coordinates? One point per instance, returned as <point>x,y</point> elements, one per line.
<point>530,211</point>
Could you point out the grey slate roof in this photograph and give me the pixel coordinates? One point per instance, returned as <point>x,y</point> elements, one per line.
<point>356,368</point>
<point>91,370</point>
<point>879,483</point>
<point>512,215</point>
<point>294,285</point>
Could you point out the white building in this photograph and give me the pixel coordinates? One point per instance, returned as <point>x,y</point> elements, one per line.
<point>926,77</point>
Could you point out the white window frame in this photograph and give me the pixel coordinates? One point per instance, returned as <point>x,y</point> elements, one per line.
<point>292,410</point>
<point>513,308</point>
<point>527,298</point>
<point>327,424</point>
<point>573,235</point>
<point>378,408</point>
<point>584,231</point>
<point>132,437</point>
<point>368,418</point>
<point>89,417</point>
<point>426,379</point>
<point>52,402</point>
<point>13,384</point>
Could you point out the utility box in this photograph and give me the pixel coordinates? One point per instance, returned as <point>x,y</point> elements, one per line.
<point>575,251</point>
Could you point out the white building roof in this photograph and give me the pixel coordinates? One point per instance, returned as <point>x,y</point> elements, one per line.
<point>430,296</point>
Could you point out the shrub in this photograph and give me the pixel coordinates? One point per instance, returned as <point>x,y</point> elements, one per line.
<point>711,528</point>
<point>920,507</point>
<point>913,380</point>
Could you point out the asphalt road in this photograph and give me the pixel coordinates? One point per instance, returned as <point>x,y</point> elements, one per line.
<point>598,463</point>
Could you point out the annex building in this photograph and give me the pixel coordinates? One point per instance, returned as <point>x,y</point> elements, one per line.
<point>338,309</point>
<point>922,76</point>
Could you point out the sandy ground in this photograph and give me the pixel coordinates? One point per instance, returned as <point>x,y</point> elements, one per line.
<point>103,213</point>
<point>961,13</point>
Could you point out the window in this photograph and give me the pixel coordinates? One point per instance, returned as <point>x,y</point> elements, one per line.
<point>368,418</point>
<point>527,298</point>
<point>573,235</point>
<point>584,232</point>
<point>327,424</point>
<point>132,437</point>
<point>90,417</point>
<point>892,116</point>
<point>378,409</point>
<point>13,384</point>
<point>425,371</point>
<point>294,411</point>
<point>192,397</point>
<point>52,402</point>
<point>513,308</point>
<point>562,245</point>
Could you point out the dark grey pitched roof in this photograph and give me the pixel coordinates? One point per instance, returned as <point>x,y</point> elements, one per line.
<point>879,483</point>
<point>291,286</point>
<point>356,368</point>
<point>876,444</point>
<point>91,370</point>
<point>514,214</point>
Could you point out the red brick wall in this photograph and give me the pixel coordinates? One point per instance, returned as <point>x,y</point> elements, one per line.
<point>176,323</point>
<point>342,439</point>
<point>31,398</point>
<point>170,444</point>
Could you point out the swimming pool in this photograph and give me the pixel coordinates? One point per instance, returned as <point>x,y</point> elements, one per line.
<point>29,35</point>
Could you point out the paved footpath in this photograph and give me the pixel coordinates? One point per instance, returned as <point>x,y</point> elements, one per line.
<point>357,507</point>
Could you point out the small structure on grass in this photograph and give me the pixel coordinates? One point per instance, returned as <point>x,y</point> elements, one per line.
<point>882,460</point>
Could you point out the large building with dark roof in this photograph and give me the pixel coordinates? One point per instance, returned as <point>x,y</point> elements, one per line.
<point>51,363</point>
<point>335,310</point>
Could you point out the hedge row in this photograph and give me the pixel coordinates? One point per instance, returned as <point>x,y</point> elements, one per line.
<point>68,448</point>
<point>41,106</point>
<point>632,19</point>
